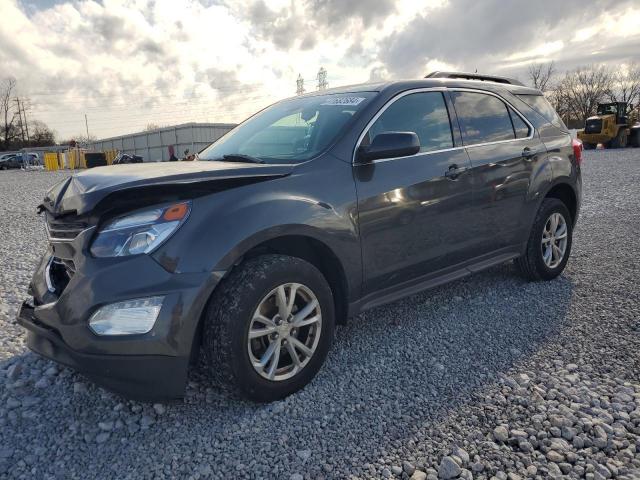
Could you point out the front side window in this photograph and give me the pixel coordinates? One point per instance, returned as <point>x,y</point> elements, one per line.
<point>423,113</point>
<point>290,131</point>
<point>483,118</point>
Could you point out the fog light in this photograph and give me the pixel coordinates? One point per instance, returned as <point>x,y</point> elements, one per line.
<point>126,318</point>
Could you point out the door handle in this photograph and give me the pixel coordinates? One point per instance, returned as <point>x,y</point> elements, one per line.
<point>528,153</point>
<point>454,172</point>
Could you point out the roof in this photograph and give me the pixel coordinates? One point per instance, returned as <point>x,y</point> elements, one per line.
<point>516,88</point>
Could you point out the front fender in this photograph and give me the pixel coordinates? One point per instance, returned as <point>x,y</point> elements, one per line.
<point>317,201</point>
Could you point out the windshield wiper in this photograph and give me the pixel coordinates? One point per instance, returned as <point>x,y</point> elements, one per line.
<point>238,157</point>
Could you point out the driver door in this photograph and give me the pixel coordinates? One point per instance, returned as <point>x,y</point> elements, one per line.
<point>414,212</point>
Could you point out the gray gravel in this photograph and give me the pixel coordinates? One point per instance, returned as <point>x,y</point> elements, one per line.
<point>488,377</point>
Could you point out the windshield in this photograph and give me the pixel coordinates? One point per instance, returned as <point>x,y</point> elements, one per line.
<point>290,131</point>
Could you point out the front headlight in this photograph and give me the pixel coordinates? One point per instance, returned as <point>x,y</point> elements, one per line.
<point>139,232</point>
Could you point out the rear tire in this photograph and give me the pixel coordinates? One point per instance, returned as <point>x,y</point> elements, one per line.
<point>235,342</point>
<point>535,264</point>
<point>589,146</point>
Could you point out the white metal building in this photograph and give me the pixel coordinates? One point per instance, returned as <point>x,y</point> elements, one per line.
<point>153,146</point>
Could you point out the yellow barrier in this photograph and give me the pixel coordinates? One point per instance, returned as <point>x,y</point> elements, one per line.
<point>110,155</point>
<point>75,158</point>
<point>71,159</point>
<point>51,161</point>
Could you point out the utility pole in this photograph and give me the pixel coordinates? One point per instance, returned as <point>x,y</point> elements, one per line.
<point>322,79</point>
<point>86,124</point>
<point>20,117</point>
<point>299,85</point>
<point>26,125</point>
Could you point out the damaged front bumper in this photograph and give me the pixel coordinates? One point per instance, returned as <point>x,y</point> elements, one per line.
<point>140,377</point>
<point>69,286</point>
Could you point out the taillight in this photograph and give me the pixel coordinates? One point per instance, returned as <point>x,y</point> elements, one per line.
<point>577,150</point>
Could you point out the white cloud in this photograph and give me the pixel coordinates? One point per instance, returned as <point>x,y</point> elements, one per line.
<point>127,63</point>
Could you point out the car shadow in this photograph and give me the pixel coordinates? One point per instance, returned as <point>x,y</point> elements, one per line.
<point>392,371</point>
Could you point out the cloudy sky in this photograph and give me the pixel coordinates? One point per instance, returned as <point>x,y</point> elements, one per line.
<point>127,63</point>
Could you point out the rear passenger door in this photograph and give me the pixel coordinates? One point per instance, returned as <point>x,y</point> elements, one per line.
<point>504,152</point>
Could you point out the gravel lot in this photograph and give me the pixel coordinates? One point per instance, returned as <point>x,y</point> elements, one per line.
<point>486,377</point>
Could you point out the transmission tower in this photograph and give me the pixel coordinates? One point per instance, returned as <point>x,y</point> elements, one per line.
<point>299,85</point>
<point>322,79</point>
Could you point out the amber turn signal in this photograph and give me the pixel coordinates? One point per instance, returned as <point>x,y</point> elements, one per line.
<point>176,212</point>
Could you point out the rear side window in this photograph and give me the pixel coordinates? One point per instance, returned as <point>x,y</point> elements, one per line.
<point>423,113</point>
<point>544,108</point>
<point>520,127</point>
<point>483,118</point>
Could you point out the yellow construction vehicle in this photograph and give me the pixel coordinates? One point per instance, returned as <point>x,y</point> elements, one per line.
<point>614,126</point>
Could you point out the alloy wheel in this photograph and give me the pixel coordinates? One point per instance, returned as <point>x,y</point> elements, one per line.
<point>284,331</point>
<point>554,240</point>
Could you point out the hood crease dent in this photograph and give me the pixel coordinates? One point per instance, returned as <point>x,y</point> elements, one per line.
<point>82,192</point>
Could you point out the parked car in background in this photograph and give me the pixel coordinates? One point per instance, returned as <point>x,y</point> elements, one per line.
<point>9,161</point>
<point>34,158</point>
<point>313,210</point>
<point>17,160</point>
<point>123,158</point>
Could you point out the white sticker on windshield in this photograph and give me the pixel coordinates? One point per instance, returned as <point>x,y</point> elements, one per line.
<point>342,101</point>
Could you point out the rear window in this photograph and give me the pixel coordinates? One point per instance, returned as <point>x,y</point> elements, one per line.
<point>544,108</point>
<point>483,118</point>
<point>520,127</point>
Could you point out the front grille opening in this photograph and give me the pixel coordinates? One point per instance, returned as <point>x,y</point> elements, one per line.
<point>60,273</point>
<point>64,230</point>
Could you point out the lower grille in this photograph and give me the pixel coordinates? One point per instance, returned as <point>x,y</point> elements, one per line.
<point>59,273</point>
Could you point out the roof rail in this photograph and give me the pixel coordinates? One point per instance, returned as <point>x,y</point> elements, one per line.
<point>475,76</point>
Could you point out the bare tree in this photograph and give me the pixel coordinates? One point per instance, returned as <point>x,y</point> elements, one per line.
<point>560,101</point>
<point>7,114</point>
<point>625,85</point>
<point>42,135</point>
<point>541,75</point>
<point>582,89</point>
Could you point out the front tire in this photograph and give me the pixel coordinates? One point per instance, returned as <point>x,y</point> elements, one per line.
<point>269,327</point>
<point>549,243</point>
<point>589,146</point>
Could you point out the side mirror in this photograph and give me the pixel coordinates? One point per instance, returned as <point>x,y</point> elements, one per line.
<point>389,145</point>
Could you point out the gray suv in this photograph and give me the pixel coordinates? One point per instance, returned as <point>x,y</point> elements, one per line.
<point>313,210</point>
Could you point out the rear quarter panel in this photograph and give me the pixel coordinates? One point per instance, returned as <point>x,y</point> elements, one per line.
<point>556,166</point>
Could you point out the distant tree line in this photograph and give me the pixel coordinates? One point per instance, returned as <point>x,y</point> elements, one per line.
<point>576,94</point>
<point>16,130</point>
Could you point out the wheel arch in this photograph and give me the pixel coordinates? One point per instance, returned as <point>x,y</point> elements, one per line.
<point>317,253</point>
<point>303,243</point>
<point>564,192</point>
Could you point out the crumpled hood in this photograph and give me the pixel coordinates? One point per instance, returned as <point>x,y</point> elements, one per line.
<point>81,192</point>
